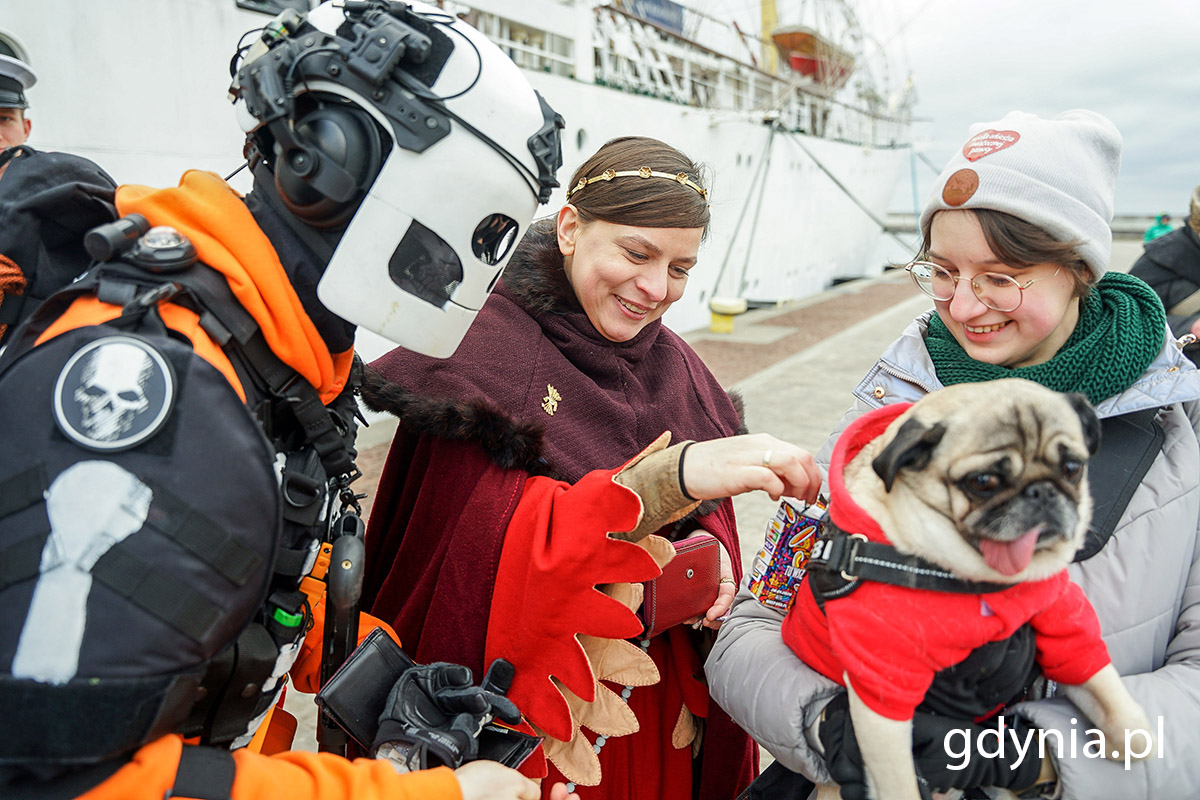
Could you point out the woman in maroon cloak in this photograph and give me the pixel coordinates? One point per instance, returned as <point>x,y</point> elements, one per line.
<point>568,369</point>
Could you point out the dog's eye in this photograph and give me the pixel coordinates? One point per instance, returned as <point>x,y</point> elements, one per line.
<point>982,483</point>
<point>1072,469</point>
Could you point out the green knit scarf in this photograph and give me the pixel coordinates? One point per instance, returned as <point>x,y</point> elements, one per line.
<point>1119,333</point>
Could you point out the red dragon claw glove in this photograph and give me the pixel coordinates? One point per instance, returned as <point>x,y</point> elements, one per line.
<point>556,551</point>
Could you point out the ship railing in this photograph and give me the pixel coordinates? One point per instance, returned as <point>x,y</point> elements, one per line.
<point>640,57</point>
<point>535,57</point>
<point>529,46</point>
<point>636,56</point>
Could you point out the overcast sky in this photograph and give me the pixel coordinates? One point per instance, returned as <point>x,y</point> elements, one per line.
<point>1135,61</point>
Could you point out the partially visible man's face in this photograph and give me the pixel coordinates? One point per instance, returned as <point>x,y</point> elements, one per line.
<point>14,128</point>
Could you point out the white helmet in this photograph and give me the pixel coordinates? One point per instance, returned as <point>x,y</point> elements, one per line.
<point>432,208</point>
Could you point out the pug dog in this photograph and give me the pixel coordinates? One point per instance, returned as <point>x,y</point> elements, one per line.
<point>986,482</point>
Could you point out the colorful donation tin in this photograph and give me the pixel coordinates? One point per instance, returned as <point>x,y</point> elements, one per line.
<point>779,565</point>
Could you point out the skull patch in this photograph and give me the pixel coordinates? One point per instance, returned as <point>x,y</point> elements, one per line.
<point>114,393</point>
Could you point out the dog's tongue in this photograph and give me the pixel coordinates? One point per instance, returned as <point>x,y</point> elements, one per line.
<point>1010,558</point>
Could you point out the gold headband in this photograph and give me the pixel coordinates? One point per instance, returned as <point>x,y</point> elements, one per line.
<point>645,172</point>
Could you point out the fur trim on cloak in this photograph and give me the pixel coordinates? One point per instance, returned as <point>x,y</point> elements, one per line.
<point>509,444</point>
<point>536,280</point>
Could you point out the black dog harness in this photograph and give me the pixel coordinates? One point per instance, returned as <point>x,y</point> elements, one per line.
<point>840,561</point>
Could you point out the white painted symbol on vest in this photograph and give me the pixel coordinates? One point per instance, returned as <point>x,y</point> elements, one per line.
<point>92,506</point>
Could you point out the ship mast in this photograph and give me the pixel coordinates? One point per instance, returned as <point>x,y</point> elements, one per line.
<point>770,21</point>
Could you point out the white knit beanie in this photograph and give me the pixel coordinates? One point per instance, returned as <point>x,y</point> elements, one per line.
<point>1059,174</point>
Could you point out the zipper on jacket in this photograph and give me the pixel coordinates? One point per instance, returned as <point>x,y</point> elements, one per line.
<point>895,372</point>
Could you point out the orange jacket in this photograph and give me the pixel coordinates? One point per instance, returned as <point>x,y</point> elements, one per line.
<point>286,776</point>
<point>289,775</point>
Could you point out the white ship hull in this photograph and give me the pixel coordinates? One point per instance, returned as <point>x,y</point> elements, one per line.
<point>139,87</point>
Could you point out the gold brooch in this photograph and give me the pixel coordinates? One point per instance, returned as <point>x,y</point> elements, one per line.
<point>550,401</point>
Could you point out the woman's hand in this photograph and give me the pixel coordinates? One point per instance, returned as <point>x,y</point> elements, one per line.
<point>726,589</point>
<point>489,780</point>
<point>737,464</point>
<point>559,792</point>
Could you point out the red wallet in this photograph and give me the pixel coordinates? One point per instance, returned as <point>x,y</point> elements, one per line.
<point>687,587</point>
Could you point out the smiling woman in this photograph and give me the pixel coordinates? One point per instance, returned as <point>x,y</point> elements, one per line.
<point>569,369</point>
<point>1016,246</point>
<point>625,278</point>
<point>629,237</point>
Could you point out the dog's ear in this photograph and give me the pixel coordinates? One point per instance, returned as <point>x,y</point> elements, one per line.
<point>912,447</point>
<point>1089,420</point>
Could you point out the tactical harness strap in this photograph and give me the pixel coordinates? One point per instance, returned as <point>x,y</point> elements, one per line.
<point>21,561</point>
<point>1129,443</point>
<point>157,593</point>
<point>223,318</point>
<point>205,291</point>
<point>128,575</point>
<point>22,490</point>
<point>205,773</point>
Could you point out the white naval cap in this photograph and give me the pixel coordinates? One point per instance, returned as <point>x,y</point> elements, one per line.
<point>15,78</point>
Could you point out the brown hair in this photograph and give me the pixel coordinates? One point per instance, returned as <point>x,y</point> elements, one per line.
<point>1022,244</point>
<point>641,202</point>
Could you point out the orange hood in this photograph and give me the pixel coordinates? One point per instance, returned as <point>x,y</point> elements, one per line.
<point>212,215</point>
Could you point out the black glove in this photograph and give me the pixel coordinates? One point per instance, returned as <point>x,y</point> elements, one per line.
<point>933,762</point>
<point>842,756</point>
<point>434,713</point>
<point>1006,770</point>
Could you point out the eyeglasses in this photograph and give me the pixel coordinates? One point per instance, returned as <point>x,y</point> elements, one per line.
<point>995,290</point>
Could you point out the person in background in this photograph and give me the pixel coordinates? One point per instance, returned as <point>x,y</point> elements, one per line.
<point>15,78</point>
<point>1015,255</point>
<point>569,369</point>
<point>1171,265</point>
<point>1161,227</point>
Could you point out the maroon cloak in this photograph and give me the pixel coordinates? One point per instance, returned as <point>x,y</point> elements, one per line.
<point>534,390</point>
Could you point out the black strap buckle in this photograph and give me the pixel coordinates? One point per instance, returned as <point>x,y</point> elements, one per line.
<point>832,565</point>
<point>835,551</point>
<point>152,297</point>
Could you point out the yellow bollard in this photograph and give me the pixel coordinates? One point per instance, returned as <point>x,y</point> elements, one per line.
<point>724,309</point>
<point>721,323</point>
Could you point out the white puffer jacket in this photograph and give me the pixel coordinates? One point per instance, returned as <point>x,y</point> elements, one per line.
<point>1144,584</point>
